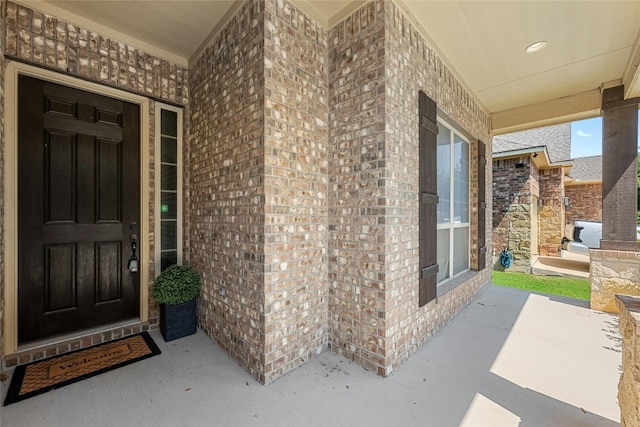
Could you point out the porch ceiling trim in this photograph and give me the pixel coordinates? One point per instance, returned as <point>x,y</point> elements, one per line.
<point>575,107</point>
<point>631,76</point>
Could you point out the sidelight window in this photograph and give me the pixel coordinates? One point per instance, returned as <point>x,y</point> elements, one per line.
<point>168,151</point>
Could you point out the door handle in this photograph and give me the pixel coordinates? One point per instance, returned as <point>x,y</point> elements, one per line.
<point>133,260</point>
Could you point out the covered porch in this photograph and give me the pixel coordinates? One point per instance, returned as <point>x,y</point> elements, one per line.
<point>307,241</point>
<point>503,361</point>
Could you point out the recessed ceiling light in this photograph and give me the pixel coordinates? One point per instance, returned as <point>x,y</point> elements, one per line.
<point>534,47</point>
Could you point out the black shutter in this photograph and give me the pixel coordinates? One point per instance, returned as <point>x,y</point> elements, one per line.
<point>482,206</point>
<point>428,198</point>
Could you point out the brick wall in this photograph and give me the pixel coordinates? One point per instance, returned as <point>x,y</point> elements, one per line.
<point>413,65</point>
<point>552,215</point>
<point>340,248</point>
<point>54,43</point>
<point>259,126</point>
<point>514,188</point>
<point>375,319</point>
<point>585,201</point>
<point>227,178</point>
<point>295,185</point>
<point>356,173</point>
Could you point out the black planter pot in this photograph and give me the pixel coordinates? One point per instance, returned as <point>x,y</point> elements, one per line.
<point>178,320</point>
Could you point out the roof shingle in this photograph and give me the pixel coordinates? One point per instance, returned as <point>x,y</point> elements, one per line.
<point>557,138</point>
<point>587,168</point>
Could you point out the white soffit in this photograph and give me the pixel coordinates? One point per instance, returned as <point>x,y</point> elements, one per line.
<point>485,42</point>
<point>589,42</point>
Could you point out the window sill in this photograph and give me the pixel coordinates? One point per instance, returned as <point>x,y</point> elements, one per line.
<point>455,282</point>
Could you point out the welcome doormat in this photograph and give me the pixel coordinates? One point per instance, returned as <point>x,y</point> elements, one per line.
<point>39,377</point>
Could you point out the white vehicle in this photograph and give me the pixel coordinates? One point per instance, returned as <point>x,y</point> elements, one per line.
<point>580,236</point>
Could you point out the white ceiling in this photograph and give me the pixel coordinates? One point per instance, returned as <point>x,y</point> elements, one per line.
<point>589,43</point>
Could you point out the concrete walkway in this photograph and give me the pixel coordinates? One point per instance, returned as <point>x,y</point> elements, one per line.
<point>569,265</point>
<point>511,358</point>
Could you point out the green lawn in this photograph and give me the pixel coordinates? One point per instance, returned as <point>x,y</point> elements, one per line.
<point>553,285</point>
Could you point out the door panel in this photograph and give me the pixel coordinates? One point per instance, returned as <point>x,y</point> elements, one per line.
<point>108,162</point>
<point>60,162</point>
<point>60,277</point>
<point>78,191</point>
<point>109,283</point>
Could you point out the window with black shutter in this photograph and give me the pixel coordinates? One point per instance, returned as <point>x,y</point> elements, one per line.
<point>482,246</point>
<point>428,198</point>
<point>445,231</point>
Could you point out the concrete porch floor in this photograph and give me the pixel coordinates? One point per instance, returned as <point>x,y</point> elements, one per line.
<point>511,358</point>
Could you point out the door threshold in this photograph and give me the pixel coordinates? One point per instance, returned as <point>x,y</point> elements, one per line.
<point>76,335</point>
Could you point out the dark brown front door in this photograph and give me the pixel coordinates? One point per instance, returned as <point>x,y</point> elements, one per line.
<point>78,196</point>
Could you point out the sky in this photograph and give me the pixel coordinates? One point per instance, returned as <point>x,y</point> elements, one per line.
<point>586,138</point>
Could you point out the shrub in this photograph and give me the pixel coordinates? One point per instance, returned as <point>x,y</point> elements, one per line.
<point>176,285</point>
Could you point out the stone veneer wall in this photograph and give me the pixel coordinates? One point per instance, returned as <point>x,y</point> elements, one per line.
<point>56,44</point>
<point>551,213</point>
<point>295,184</point>
<point>514,189</point>
<point>629,384</point>
<point>227,174</point>
<point>585,202</point>
<point>610,273</point>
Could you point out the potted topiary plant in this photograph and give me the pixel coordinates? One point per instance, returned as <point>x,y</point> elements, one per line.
<point>176,290</point>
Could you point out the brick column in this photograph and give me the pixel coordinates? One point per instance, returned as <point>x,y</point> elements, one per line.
<point>619,154</point>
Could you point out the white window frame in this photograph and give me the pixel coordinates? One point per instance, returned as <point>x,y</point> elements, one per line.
<point>453,225</point>
<point>158,180</point>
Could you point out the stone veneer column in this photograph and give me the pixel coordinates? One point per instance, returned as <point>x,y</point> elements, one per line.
<point>629,385</point>
<point>615,267</point>
<point>552,215</point>
<point>619,159</point>
<point>612,273</point>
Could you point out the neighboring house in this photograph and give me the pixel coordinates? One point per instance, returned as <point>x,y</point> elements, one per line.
<point>583,190</point>
<point>537,189</point>
<point>529,171</point>
<point>293,166</point>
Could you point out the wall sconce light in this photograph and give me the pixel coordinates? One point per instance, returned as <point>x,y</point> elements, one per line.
<point>567,203</point>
